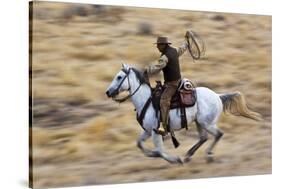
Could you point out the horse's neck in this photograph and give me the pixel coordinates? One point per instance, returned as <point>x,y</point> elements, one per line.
<point>141,96</point>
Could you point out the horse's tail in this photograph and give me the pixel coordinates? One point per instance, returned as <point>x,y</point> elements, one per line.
<point>235,103</point>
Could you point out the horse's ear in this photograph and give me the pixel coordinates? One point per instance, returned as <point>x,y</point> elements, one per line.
<point>125,66</point>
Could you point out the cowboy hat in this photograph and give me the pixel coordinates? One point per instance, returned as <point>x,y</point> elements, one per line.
<point>162,40</point>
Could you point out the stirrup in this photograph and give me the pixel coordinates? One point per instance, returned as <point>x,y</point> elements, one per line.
<point>160,132</point>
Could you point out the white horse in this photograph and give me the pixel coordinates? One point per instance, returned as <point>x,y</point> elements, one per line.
<point>205,113</point>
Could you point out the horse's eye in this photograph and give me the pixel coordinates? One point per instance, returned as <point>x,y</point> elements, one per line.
<point>119,77</point>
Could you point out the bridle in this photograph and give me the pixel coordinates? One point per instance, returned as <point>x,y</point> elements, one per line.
<point>120,100</point>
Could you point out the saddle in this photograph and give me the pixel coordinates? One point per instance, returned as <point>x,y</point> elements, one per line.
<point>185,95</point>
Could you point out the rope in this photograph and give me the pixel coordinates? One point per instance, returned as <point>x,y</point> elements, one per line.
<point>196,45</point>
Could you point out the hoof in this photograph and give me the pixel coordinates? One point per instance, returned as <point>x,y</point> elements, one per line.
<point>176,160</point>
<point>179,161</point>
<point>210,158</point>
<point>153,154</point>
<point>187,159</point>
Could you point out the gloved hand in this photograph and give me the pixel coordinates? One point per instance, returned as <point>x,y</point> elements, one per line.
<point>145,72</point>
<point>186,36</point>
<point>145,75</point>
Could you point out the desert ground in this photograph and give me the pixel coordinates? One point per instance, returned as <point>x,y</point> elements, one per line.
<point>81,137</point>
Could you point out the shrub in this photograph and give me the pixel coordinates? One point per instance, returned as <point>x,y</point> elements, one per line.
<point>145,28</point>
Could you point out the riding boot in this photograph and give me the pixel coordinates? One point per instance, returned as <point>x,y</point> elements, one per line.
<point>165,118</point>
<point>165,102</point>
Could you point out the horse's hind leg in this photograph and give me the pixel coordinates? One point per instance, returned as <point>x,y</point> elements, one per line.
<point>203,137</point>
<point>213,130</point>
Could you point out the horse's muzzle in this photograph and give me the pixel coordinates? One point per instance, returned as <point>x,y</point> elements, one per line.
<point>110,93</point>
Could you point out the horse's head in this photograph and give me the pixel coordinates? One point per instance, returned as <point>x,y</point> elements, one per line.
<point>120,82</point>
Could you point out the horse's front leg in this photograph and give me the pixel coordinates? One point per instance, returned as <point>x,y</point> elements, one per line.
<point>140,144</point>
<point>159,149</point>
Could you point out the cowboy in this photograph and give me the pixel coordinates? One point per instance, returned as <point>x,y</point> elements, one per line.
<point>168,63</point>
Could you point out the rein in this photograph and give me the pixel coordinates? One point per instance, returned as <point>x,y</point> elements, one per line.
<point>120,100</point>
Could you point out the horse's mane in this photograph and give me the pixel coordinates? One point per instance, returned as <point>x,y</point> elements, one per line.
<point>140,76</point>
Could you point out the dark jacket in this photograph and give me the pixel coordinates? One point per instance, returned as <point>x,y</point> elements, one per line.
<point>172,69</point>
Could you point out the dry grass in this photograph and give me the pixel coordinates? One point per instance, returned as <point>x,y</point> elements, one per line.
<point>81,137</point>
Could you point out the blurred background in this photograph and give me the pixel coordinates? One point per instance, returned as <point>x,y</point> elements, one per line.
<point>80,137</point>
